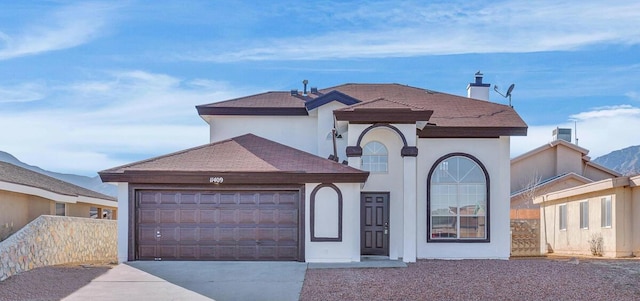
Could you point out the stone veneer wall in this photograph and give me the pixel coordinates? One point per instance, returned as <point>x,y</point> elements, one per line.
<point>52,240</point>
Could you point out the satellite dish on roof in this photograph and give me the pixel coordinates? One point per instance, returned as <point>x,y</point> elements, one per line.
<point>510,89</point>
<point>508,94</point>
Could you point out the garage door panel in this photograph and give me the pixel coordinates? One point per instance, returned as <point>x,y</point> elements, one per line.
<point>188,198</point>
<point>147,216</point>
<point>168,216</point>
<point>248,198</point>
<point>209,216</point>
<point>147,198</point>
<point>189,234</point>
<point>228,216</point>
<point>209,198</point>
<point>199,225</point>
<point>228,198</point>
<point>188,216</point>
<point>288,198</point>
<point>247,216</point>
<point>287,217</point>
<point>168,198</point>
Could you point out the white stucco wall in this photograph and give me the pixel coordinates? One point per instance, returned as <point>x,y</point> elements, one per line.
<point>348,250</point>
<point>295,131</point>
<point>123,222</point>
<point>494,155</point>
<point>325,123</point>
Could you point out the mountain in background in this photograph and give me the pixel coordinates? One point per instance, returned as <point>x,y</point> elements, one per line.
<point>625,161</point>
<point>92,183</point>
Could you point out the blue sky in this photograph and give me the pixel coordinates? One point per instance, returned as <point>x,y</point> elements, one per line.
<point>86,86</point>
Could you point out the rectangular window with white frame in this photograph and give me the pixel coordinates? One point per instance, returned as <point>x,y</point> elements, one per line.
<point>584,215</point>
<point>605,212</point>
<point>562,214</point>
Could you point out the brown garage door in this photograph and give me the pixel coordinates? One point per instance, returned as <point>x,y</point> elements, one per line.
<point>217,225</point>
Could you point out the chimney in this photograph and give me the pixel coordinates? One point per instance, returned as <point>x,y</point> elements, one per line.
<point>562,134</point>
<point>478,89</point>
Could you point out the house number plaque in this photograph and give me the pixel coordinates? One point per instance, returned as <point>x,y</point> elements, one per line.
<point>216,180</point>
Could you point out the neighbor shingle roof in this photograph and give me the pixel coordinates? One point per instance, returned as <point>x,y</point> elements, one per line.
<point>448,110</point>
<point>239,156</point>
<point>17,175</point>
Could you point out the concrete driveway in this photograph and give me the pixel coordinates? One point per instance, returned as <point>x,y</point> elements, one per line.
<point>190,280</point>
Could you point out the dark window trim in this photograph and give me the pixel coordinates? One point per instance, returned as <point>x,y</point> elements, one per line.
<point>313,215</point>
<point>488,216</point>
<point>406,151</point>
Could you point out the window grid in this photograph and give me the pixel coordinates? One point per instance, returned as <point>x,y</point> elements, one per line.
<point>562,221</point>
<point>458,200</point>
<point>584,215</point>
<point>375,157</point>
<point>605,211</point>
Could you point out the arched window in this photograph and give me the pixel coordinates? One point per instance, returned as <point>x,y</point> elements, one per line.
<point>375,157</point>
<point>458,199</point>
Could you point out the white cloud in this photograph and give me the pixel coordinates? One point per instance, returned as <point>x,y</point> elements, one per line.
<point>123,117</point>
<point>24,92</point>
<point>66,28</point>
<point>600,130</point>
<point>401,30</point>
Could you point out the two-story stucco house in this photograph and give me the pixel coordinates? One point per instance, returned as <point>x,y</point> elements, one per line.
<point>329,175</point>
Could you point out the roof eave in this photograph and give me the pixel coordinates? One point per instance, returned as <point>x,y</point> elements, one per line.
<point>471,132</point>
<point>382,115</point>
<point>207,177</point>
<point>265,111</point>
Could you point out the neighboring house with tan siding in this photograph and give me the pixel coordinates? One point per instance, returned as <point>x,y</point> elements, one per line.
<point>557,165</point>
<point>26,194</point>
<point>608,208</point>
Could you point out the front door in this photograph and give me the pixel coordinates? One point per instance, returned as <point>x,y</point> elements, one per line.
<point>374,223</point>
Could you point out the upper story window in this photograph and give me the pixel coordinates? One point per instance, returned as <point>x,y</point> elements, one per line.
<point>375,157</point>
<point>458,202</point>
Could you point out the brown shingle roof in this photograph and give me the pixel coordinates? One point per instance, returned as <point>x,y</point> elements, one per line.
<point>244,155</point>
<point>448,110</point>
<point>17,175</point>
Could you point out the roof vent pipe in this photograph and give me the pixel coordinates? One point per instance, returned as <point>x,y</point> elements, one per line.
<point>304,91</point>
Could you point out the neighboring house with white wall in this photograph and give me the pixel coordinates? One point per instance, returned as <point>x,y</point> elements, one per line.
<point>26,194</point>
<point>608,208</point>
<point>412,173</point>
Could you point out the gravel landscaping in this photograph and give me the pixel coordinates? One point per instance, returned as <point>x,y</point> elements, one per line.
<point>49,283</point>
<point>516,279</point>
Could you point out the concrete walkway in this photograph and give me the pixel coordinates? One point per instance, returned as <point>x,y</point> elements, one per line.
<point>188,280</point>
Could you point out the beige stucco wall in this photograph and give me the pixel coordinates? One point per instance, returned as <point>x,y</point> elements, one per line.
<point>574,240</point>
<point>567,160</point>
<point>635,213</point>
<point>19,209</point>
<point>542,164</point>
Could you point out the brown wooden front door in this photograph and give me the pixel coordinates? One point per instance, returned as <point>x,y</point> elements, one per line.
<point>218,225</point>
<point>374,217</point>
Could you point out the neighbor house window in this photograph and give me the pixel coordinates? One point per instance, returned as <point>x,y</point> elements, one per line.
<point>562,213</point>
<point>458,203</point>
<point>605,211</point>
<point>375,157</point>
<point>584,215</point>
<point>60,209</point>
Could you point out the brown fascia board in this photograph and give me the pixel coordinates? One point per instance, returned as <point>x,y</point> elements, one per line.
<point>173,177</point>
<point>204,110</point>
<point>470,132</point>
<point>366,115</point>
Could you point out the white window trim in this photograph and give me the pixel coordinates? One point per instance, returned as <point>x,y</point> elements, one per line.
<point>561,213</point>
<point>386,171</point>
<point>602,214</point>
<point>582,221</point>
